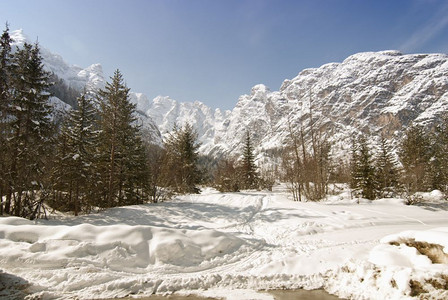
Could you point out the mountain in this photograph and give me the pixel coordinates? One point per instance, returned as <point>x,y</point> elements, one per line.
<point>380,93</point>
<point>77,78</point>
<point>168,113</point>
<point>373,92</point>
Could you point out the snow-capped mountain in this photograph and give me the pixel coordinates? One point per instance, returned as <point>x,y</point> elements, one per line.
<point>375,92</point>
<point>90,78</point>
<point>75,77</point>
<point>168,113</point>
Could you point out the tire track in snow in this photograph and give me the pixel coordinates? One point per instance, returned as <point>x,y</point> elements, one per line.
<point>244,228</point>
<point>394,215</point>
<point>246,223</point>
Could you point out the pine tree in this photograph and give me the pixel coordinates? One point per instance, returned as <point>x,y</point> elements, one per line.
<point>30,130</point>
<point>120,146</point>
<point>180,166</point>
<point>363,171</point>
<point>74,172</point>
<point>386,168</point>
<point>135,171</point>
<point>5,102</point>
<point>249,175</point>
<point>415,154</point>
<point>439,163</point>
<point>5,73</point>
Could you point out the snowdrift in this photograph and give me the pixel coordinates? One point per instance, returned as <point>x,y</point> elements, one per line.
<point>230,246</point>
<point>121,247</point>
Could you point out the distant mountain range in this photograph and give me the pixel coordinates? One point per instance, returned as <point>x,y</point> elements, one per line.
<point>376,92</point>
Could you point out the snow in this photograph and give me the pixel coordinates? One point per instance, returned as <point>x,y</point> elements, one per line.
<point>379,92</point>
<point>88,79</point>
<point>376,92</point>
<point>402,255</point>
<point>227,245</point>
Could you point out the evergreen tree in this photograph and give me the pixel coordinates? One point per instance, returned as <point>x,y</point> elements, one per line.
<point>121,153</point>
<point>135,172</point>
<point>226,176</point>
<point>354,164</point>
<point>439,162</point>
<point>180,165</point>
<point>5,73</point>
<point>74,172</point>
<point>415,154</point>
<point>5,102</point>
<point>29,130</point>
<point>249,175</point>
<point>386,168</point>
<point>363,171</point>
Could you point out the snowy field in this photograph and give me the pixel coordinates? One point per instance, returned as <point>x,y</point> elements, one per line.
<point>231,246</point>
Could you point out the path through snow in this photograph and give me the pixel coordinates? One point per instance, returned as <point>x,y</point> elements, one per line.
<point>223,245</point>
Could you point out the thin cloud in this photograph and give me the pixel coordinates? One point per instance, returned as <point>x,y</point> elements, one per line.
<point>75,44</point>
<point>427,32</point>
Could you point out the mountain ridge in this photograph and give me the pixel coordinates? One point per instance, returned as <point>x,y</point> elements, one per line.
<point>89,79</point>
<point>377,92</point>
<point>380,93</point>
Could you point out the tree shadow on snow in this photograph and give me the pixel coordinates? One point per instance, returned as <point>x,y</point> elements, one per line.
<point>277,214</point>
<point>433,206</point>
<point>166,214</point>
<point>12,286</point>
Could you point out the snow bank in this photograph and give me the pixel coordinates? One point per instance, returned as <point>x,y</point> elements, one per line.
<point>227,244</point>
<point>115,246</point>
<point>413,249</point>
<point>397,268</point>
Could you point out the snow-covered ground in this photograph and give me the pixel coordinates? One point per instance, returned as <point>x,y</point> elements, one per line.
<point>231,245</point>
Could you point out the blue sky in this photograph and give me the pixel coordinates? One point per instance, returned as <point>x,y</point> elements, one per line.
<point>215,50</point>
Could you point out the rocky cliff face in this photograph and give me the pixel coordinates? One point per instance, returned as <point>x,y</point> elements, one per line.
<point>168,113</point>
<point>374,92</point>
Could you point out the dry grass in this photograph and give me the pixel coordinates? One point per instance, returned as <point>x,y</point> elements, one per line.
<point>437,256</point>
<point>419,289</point>
<point>433,251</point>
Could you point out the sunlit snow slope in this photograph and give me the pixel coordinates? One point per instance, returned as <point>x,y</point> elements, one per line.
<point>224,244</point>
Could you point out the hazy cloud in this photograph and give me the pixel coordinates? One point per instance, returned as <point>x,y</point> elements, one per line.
<point>427,32</point>
<point>75,44</point>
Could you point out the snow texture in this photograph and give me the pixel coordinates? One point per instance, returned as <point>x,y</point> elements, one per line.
<point>225,245</point>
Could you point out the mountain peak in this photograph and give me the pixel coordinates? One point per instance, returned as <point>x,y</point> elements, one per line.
<point>259,92</point>
<point>379,92</point>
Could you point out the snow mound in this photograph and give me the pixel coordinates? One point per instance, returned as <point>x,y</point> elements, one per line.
<point>121,247</point>
<point>394,249</point>
<point>408,264</point>
<point>15,221</point>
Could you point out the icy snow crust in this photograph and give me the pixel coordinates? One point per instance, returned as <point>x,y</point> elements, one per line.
<point>223,245</point>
